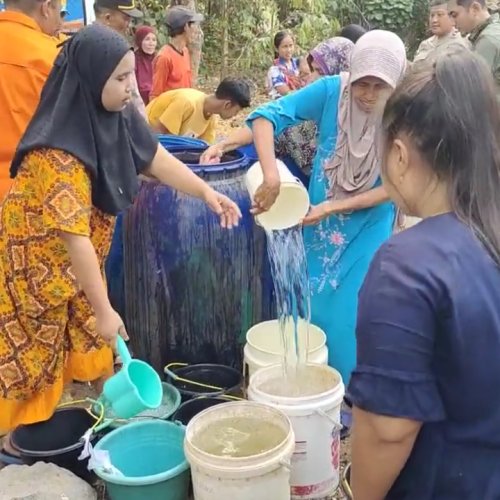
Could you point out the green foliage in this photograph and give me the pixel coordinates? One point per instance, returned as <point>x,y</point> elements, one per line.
<point>394,15</point>
<point>238,34</point>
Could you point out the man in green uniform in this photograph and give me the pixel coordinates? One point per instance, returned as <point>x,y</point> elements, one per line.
<point>473,18</point>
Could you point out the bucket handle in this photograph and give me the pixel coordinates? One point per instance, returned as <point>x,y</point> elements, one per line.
<point>123,351</point>
<point>174,376</point>
<point>286,464</point>
<point>100,421</point>
<point>323,413</point>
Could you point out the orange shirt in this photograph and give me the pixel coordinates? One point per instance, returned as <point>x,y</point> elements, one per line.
<point>171,70</point>
<point>26,58</point>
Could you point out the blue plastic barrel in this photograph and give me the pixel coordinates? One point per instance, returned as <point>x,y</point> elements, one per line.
<point>114,270</point>
<point>114,262</point>
<point>192,288</point>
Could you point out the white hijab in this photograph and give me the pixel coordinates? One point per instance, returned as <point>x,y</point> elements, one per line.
<point>355,165</point>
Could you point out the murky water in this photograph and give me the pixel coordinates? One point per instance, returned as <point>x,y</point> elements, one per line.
<point>305,382</point>
<point>287,258</point>
<point>239,437</point>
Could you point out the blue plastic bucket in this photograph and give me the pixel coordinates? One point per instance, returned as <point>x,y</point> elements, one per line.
<point>150,455</point>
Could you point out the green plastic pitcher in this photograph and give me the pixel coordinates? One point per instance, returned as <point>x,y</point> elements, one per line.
<point>135,388</point>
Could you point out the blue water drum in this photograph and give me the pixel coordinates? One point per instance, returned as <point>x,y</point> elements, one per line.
<point>193,288</point>
<point>114,269</point>
<point>114,262</point>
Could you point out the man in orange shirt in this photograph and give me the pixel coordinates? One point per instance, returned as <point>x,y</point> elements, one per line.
<point>27,53</point>
<point>172,66</point>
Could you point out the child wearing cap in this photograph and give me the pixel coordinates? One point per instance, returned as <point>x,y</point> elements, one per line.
<point>172,66</point>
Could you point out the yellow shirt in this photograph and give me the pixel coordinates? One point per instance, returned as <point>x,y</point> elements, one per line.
<point>181,113</point>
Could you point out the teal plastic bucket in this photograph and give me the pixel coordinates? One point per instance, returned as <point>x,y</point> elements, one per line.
<point>150,456</point>
<point>135,388</point>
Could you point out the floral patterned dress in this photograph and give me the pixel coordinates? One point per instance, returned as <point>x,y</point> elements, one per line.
<point>340,248</point>
<point>47,326</point>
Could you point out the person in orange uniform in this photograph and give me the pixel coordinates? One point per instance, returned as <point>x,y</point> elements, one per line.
<point>27,53</point>
<point>172,66</point>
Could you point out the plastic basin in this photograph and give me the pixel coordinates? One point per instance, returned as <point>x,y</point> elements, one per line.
<point>151,458</point>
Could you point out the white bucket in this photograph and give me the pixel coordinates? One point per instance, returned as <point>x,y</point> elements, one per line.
<point>291,205</point>
<point>264,477</point>
<point>316,424</point>
<point>264,346</point>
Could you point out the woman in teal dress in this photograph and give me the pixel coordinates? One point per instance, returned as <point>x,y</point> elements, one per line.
<point>350,216</point>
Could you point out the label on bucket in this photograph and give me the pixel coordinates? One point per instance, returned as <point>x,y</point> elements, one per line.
<point>316,460</point>
<point>310,490</point>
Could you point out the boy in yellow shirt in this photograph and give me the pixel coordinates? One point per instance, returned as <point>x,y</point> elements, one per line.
<point>192,113</point>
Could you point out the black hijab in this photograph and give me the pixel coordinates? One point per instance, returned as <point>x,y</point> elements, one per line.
<point>113,147</point>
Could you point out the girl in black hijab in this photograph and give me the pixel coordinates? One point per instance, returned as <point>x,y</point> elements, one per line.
<point>75,169</point>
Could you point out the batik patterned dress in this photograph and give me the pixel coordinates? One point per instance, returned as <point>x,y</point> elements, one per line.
<point>47,326</point>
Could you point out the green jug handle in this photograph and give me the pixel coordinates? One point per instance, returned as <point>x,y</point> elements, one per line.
<point>123,351</point>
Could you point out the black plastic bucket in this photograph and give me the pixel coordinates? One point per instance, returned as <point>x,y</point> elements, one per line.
<point>56,440</point>
<point>228,380</point>
<point>191,408</point>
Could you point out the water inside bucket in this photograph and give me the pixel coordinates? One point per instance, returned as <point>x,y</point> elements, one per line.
<point>169,404</point>
<point>239,437</point>
<point>309,380</point>
<point>288,262</point>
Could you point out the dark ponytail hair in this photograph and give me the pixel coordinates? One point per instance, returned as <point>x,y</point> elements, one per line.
<point>278,40</point>
<point>354,32</point>
<point>448,108</point>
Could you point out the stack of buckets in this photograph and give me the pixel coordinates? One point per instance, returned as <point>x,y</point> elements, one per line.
<point>309,468</point>
<point>147,457</point>
<point>306,464</point>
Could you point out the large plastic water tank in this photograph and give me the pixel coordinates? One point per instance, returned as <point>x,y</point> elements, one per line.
<point>114,262</point>
<point>193,289</point>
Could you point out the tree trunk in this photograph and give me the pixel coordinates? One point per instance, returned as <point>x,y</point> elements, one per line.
<point>196,45</point>
<point>225,39</point>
